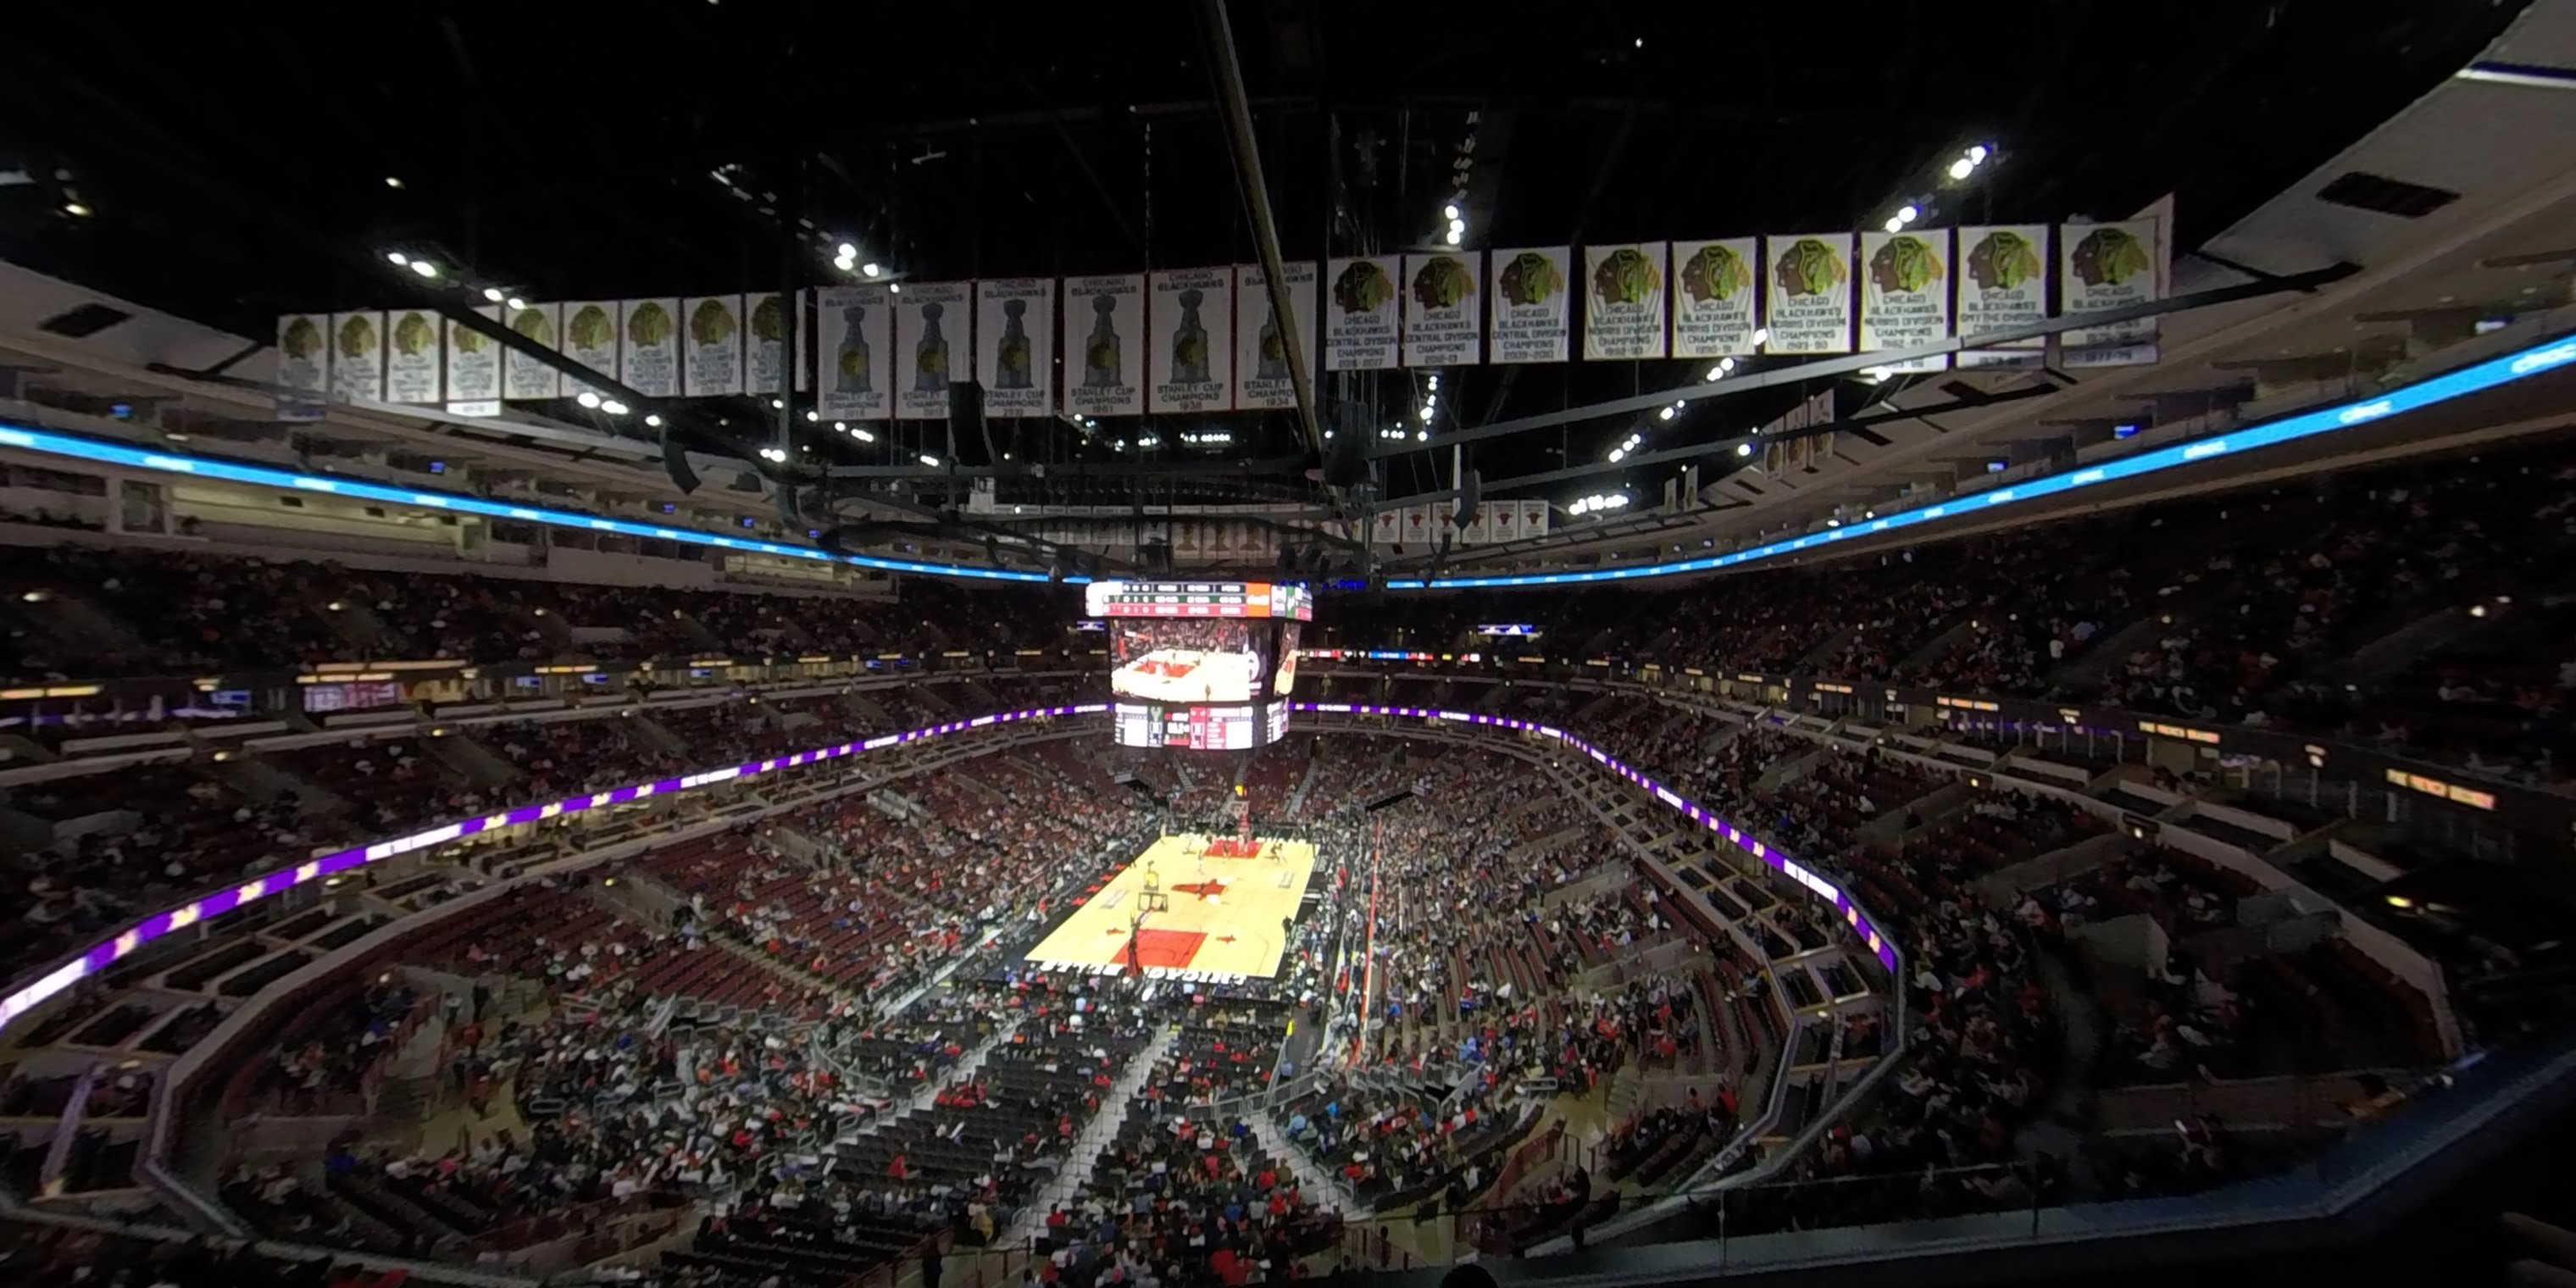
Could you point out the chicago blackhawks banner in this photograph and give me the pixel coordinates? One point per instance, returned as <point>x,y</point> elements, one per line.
<point>1716,301</point>
<point>1905,294</point>
<point>412,363</point>
<point>1623,301</point>
<point>523,378</point>
<point>473,368</point>
<point>1260,335</point>
<point>1360,331</point>
<point>648,357</point>
<point>303,365</point>
<point>1811,293</point>
<point>591,337</point>
<point>1106,315</point>
<point>2104,267</point>
<point>358,357</point>
<point>931,326</point>
<point>2003,283</point>
<point>854,333</point>
<point>1443,318</point>
<point>1015,345</point>
<point>1529,311</point>
<point>713,367</point>
<point>1191,316</point>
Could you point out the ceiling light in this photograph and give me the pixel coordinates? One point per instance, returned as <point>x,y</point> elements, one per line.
<point>1714,373</point>
<point>1435,384</point>
<point>1894,223</point>
<point>1618,454</point>
<point>424,268</point>
<point>76,209</point>
<point>1665,414</point>
<point>812,415</point>
<point>1457,225</point>
<point>869,268</point>
<point>864,434</point>
<point>1422,436</point>
<point>894,288</point>
<point>654,419</point>
<point>1744,449</point>
<point>393,181</point>
<point>494,294</point>
<point>586,398</point>
<point>1449,212</point>
<point>777,404</point>
<point>849,251</point>
<point>1453,237</point>
<point>844,265</point>
<point>1959,169</point>
<point>840,427</point>
<point>613,407</point>
<point>1908,213</point>
<point>928,459</point>
<point>1726,364</point>
<point>517,304</point>
<point>1978,153</point>
<point>397,258</point>
<point>1762,335</point>
<point>1833,523</point>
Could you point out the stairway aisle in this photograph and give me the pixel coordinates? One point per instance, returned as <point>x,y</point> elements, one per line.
<point>1311,1179</point>
<point>1094,1137</point>
<point>929,1091</point>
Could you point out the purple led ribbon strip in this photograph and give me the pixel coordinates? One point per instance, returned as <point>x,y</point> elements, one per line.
<point>108,952</point>
<point>1852,915</point>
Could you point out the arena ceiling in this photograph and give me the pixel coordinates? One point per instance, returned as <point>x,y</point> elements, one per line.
<point>684,147</point>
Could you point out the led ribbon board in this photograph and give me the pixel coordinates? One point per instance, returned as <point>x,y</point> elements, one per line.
<point>2467,380</point>
<point>108,952</point>
<point>2424,393</point>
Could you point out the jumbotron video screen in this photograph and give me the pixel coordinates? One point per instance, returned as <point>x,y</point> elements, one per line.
<point>1202,665</point>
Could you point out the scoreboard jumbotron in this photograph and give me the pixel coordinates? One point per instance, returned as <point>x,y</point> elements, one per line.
<point>1198,599</point>
<point>1200,665</point>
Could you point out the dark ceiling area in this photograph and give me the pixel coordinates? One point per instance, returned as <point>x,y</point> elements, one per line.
<point>234,164</point>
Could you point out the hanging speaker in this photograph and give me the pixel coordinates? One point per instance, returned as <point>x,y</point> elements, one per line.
<point>1471,493</point>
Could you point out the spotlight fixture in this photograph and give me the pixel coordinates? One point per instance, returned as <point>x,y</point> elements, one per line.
<point>653,419</point>
<point>495,294</point>
<point>612,407</point>
<point>393,181</point>
<point>869,269</point>
<point>397,258</point>
<point>929,460</point>
<point>76,209</point>
<point>424,268</point>
<point>516,303</point>
<point>587,399</point>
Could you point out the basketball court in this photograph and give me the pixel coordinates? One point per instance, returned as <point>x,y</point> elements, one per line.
<point>1208,914</point>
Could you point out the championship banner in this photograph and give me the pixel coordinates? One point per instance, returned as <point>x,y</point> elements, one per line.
<point>648,356</point>
<point>2003,283</point>
<point>1811,293</point>
<point>1533,517</point>
<point>764,347</point>
<point>1444,318</point>
<point>712,362</point>
<point>1529,310</point>
<point>1905,293</point>
<point>590,337</point>
<point>303,365</point>
<point>1107,314</point>
<point>358,357</point>
<point>523,378</point>
<point>1015,345</point>
<point>932,322</point>
<point>1386,527</point>
<point>1716,297</point>
<point>1422,523</point>
<point>1502,521</point>
<point>1192,322</point>
<point>2110,266</point>
<point>473,368</point>
<point>1360,332</point>
<point>1623,302</point>
<point>854,332</point>
<point>412,361</point>
<point>1260,349</point>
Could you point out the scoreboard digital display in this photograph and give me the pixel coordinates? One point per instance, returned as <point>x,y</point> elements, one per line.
<point>1200,728</point>
<point>1112,599</point>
